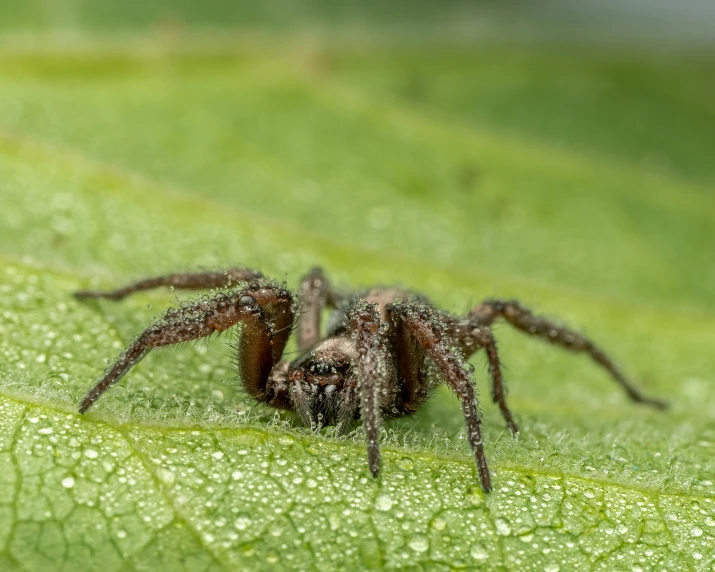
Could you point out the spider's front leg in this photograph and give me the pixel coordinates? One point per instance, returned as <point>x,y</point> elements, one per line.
<point>422,326</point>
<point>363,320</point>
<point>264,309</point>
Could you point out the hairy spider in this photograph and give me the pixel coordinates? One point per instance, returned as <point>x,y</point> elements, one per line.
<point>385,349</point>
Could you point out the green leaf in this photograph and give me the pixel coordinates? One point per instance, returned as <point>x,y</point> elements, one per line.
<point>463,172</point>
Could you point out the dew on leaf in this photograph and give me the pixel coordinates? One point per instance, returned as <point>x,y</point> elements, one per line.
<point>478,553</point>
<point>439,524</point>
<point>419,543</point>
<point>503,527</point>
<point>242,523</point>
<point>383,502</point>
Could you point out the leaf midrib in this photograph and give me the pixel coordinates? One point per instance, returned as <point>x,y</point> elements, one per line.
<point>455,458</point>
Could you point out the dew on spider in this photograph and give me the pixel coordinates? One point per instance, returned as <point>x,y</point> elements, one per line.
<point>377,358</point>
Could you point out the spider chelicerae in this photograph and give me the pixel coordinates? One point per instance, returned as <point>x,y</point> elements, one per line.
<point>383,352</point>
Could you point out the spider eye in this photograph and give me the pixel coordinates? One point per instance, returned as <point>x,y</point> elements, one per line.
<point>322,368</point>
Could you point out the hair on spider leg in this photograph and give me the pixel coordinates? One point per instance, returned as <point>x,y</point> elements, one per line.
<point>384,351</point>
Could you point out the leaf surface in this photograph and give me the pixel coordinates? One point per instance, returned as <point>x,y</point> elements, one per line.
<point>384,165</point>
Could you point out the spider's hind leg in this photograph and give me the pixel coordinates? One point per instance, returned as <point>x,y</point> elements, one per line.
<point>524,320</point>
<point>471,336</point>
<point>315,294</point>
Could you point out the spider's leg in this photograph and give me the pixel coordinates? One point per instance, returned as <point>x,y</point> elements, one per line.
<point>180,280</point>
<point>349,405</point>
<point>471,335</point>
<point>315,294</point>
<point>364,321</point>
<point>423,325</point>
<point>265,310</point>
<point>486,339</point>
<point>523,319</point>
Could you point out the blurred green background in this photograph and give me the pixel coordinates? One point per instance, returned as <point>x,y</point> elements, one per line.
<point>560,153</point>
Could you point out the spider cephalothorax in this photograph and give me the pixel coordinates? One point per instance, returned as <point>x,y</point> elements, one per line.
<point>385,349</point>
<point>323,383</point>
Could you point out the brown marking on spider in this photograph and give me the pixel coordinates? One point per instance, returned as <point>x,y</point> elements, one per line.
<point>377,359</point>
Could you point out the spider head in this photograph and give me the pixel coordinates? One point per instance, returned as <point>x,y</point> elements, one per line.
<point>322,386</point>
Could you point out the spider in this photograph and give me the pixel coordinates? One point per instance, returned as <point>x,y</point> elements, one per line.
<point>384,350</point>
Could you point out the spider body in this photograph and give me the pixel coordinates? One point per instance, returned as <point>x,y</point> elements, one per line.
<point>383,352</point>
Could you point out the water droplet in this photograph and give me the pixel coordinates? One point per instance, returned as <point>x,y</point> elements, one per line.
<point>165,476</point>
<point>383,503</point>
<point>242,523</point>
<point>91,454</point>
<point>218,455</point>
<point>474,496</point>
<point>478,552</point>
<point>552,568</point>
<point>68,482</point>
<point>503,528</point>
<point>696,531</point>
<point>418,543</point>
<point>405,464</point>
<point>439,524</point>
<point>334,522</point>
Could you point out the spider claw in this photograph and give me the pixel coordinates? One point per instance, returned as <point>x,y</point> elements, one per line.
<point>93,294</point>
<point>84,294</point>
<point>659,404</point>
